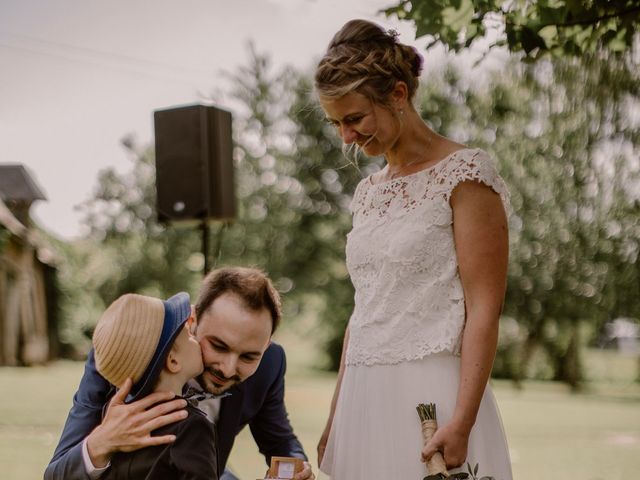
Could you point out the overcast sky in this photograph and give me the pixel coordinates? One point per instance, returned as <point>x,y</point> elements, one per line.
<point>78,75</point>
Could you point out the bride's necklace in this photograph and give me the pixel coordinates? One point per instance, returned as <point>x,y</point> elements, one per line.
<point>402,168</point>
<point>398,173</point>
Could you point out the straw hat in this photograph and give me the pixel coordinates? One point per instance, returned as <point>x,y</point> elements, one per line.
<point>134,336</point>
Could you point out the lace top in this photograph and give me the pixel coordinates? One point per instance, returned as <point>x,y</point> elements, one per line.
<point>401,258</point>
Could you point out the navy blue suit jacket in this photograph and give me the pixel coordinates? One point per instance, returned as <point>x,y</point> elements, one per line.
<point>257,402</point>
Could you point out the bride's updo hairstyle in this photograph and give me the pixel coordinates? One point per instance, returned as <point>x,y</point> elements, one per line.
<point>363,57</point>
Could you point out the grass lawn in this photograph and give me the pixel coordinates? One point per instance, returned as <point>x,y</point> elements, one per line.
<point>552,433</point>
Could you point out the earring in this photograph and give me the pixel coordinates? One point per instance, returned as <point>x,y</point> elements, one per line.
<point>401,112</point>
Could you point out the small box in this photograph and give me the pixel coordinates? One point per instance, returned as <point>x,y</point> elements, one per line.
<point>285,467</point>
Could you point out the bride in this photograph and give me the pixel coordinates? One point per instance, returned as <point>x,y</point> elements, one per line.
<point>428,259</point>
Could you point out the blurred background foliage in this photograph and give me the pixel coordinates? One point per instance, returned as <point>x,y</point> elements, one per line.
<point>560,28</point>
<point>564,131</point>
<point>568,149</point>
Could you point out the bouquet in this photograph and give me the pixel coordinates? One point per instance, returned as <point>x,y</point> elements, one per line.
<point>436,465</point>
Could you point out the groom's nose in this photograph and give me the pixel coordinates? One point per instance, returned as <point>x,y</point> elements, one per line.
<point>229,365</point>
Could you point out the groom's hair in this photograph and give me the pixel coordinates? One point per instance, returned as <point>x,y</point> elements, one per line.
<point>252,285</point>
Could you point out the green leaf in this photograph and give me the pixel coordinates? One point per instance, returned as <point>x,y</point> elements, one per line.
<point>549,34</point>
<point>458,16</point>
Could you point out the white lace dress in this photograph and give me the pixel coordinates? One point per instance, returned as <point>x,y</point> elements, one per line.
<point>406,327</point>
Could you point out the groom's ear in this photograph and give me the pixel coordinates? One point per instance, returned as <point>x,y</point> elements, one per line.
<point>192,323</point>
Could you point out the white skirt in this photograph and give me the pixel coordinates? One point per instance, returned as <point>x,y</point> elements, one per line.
<point>376,430</point>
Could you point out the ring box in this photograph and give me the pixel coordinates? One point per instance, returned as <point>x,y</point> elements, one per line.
<point>283,468</point>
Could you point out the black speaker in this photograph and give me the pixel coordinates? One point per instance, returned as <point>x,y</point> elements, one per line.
<point>194,163</point>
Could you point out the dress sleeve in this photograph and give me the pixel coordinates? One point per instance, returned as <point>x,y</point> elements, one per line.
<point>476,166</point>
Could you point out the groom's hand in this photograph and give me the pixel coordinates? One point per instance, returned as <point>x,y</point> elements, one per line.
<point>305,474</point>
<point>128,427</point>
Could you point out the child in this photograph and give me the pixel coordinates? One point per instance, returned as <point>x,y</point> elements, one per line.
<point>147,339</point>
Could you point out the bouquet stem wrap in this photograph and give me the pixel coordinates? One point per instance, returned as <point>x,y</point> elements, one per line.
<point>429,423</point>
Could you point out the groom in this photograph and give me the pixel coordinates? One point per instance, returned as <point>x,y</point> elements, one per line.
<point>236,313</point>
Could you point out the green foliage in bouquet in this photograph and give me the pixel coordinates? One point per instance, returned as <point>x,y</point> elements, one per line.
<point>472,475</point>
<point>427,411</point>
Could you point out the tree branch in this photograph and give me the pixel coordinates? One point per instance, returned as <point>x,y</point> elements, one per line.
<point>597,19</point>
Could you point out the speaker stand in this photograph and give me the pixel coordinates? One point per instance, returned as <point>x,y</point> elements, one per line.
<point>205,245</point>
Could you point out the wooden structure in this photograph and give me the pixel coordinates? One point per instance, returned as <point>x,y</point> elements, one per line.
<point>26,268</point>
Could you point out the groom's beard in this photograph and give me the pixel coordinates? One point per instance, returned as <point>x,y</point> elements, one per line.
<point>214,381</point>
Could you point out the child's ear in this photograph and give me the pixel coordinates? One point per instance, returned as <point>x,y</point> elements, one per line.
<point>172,364</point>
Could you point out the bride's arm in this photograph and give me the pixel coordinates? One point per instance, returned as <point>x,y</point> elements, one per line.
<point>482,248</point>
<point>336,393</point>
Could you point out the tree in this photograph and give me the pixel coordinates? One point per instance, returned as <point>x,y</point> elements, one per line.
<point>574,263</point>
<point>557,27</point>
<point>568,151</point>
<point>125,250</point>
<point>293,187</point>
<point>566,148</point>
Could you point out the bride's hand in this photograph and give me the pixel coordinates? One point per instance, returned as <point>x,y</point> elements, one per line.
<point>322,443</point>
<point>452,442</point>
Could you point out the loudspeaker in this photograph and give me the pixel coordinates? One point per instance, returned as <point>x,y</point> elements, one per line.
<point>194,163</point>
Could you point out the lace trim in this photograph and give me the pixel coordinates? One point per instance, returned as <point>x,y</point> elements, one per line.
<point>411,191</point>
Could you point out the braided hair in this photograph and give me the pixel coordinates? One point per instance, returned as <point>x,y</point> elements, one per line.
<point>365,58</point>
